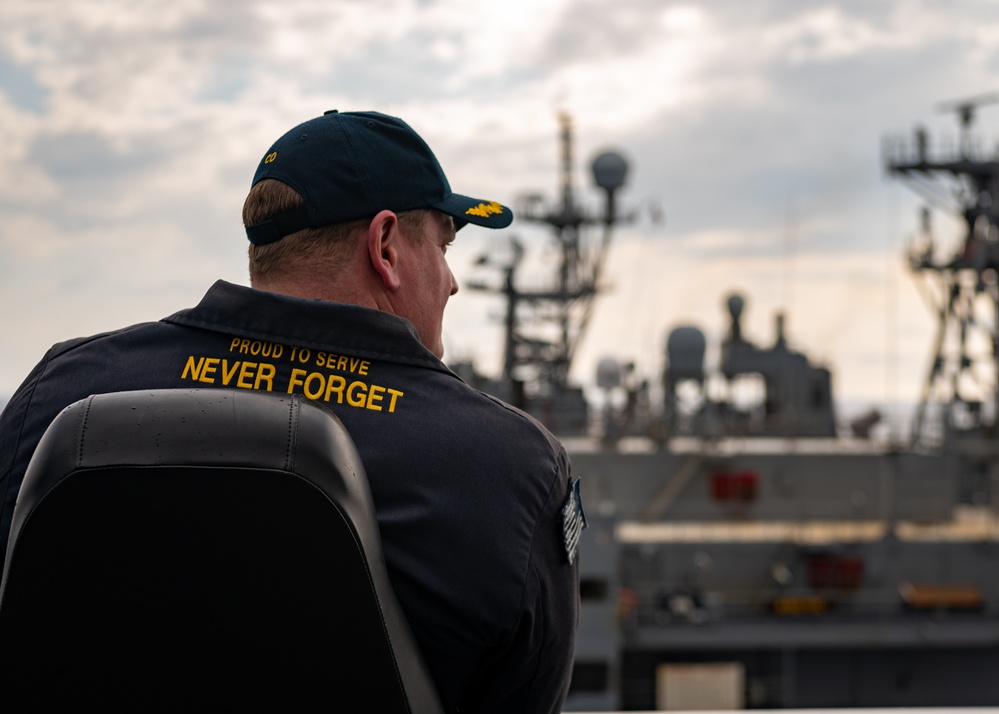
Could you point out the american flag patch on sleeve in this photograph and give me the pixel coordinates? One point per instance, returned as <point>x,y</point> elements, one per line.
<point>573,521</point>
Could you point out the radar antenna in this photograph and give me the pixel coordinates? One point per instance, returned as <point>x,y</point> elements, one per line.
<point>965,109</point>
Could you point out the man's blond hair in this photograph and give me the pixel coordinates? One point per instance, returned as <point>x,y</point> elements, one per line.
<point>328,247</point>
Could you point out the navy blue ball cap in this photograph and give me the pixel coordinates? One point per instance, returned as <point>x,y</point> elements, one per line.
<point>351,165</point>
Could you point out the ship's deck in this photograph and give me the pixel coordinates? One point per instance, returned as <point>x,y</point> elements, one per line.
<point>901,710</point>
<point>729,445</point>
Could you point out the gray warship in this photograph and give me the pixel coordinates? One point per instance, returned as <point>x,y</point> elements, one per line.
<point>769,556</point>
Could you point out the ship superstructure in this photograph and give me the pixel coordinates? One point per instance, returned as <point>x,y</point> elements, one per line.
<point>765,555</point>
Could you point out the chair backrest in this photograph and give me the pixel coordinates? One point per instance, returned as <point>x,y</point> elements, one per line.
<point>183,549</point>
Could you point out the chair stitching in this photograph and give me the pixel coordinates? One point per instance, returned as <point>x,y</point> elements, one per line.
<point>83,430</point>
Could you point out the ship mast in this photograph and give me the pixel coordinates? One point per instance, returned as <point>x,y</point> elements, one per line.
<point>962,382</point>
<point>544,327</point>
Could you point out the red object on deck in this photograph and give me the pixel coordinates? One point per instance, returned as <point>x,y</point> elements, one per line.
<point>836,572</point>
<point>736,486</point>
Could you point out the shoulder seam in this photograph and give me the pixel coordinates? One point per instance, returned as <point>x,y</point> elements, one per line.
<point>20,429</point>
<point>534,532</point>
<point>67,346</point>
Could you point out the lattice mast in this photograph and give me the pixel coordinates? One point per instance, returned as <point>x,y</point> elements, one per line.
<point>962,287</point>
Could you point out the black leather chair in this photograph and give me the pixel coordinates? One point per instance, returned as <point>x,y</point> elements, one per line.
<point>201,549</point>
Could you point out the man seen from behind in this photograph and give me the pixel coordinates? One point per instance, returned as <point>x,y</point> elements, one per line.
<point>349,219</point>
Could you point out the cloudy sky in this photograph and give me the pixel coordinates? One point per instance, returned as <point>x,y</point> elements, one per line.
<point>130,130</point>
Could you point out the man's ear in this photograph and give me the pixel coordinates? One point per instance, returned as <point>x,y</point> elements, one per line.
<point>383,242</point>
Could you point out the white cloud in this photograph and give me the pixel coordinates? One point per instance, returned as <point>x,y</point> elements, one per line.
<point>721,107</point>
<point>827,33</point>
